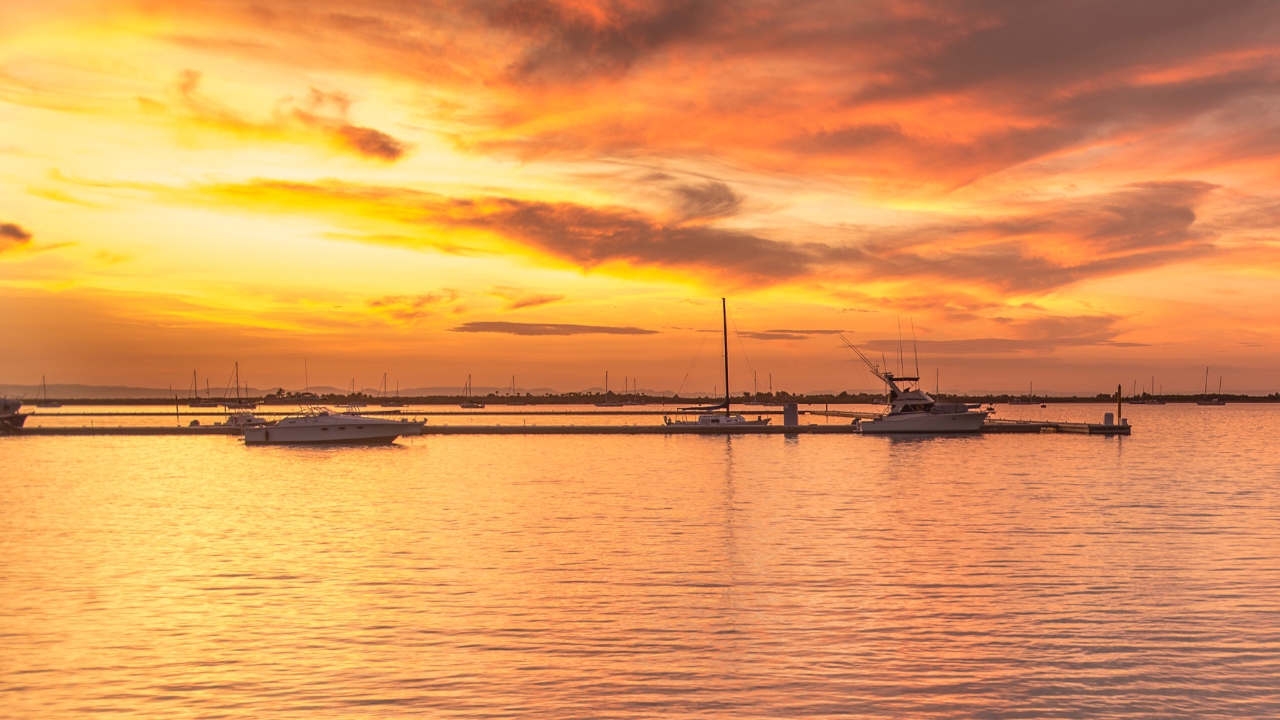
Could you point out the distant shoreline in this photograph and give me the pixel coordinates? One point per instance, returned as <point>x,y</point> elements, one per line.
<point>591,399</point>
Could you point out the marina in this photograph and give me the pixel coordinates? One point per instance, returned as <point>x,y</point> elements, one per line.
<point>992,426</point>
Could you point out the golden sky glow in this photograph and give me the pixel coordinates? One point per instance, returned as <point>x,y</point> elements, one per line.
<point>1077,194</point>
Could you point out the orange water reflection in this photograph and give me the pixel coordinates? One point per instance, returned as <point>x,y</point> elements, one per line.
<point>632,576</point>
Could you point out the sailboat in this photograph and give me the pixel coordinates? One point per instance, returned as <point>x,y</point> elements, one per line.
<point>386,401</point>
<point>515,399</point>
<point>1029,399</point>
<point>709,416</point>
<point>196,402</point>
<point>353,400</point>
<point>468,402</point>
<point>635,397</point>
<point>239,403</point>
<point>1206,400</point>
<point>1152,398</point>
<point>606,402</point>
<point>755,390</point>
<point>43,399</point>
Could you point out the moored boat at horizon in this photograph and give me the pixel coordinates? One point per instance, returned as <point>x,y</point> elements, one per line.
<point>710,416</point>
<point>322,426</point>
<point>42,400</point>
<point>1205,399</point>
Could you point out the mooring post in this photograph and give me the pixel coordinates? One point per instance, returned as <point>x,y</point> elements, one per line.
<point>1119,414</point>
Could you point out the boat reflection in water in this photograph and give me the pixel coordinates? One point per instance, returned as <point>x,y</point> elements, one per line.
<point>911,410</point>
<point>322,426</point>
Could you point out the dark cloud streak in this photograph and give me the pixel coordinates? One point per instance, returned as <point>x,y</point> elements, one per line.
<point>539,329</point>
<point>13,236</point>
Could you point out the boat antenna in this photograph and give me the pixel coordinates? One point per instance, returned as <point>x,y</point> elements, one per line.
<point>724,328</point>
<point>915,350</point>
<point>900,370</point>
<point>306,376</point>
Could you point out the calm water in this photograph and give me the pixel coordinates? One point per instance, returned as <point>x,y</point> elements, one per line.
<point>995,576</point>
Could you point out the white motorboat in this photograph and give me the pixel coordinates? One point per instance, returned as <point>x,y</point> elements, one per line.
<point>10,418</point>
<point>245,419</point>
<point>322,426</point>
<point>911,410</point>
<point>711,416</point>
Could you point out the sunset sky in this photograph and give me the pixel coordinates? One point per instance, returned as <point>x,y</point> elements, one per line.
<point>1077,194</point>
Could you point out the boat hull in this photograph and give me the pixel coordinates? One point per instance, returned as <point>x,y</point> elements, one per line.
<point>924,423</point>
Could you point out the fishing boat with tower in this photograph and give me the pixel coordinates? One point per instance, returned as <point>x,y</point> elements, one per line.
<point>911,410</point>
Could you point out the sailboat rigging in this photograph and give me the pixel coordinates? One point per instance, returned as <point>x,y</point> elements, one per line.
<point>1205,399</point>
<point>708,415</point>
<point>239,403</point>
<point>388,401</point>
<point>42,400</point>
<point>606,402</point>
<point>468,402</point>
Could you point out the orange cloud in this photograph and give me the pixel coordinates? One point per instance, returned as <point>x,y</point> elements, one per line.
<point>320,115</point>
<point>1036,248</point>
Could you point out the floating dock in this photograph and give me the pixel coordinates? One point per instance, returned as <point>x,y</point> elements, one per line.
<point>991,426</point>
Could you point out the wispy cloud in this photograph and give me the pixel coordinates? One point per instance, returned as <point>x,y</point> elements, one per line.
<point>516,328</point>
<point>1034,335</point>
<point>410,308</point>
<point>786,334</point>
<point>518,299</point>
<point>319,115</point>
<point>1036,247</point>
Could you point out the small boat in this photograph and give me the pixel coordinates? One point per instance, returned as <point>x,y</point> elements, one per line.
<point>911,410</point>
<point>711,416</point>
<point>239,403</point>
<point>469,402</point>
<point>322,426</point>
<point>1214,401</point>
<point>606,402</point>
<point>387,401</point>
<point>42,400</point>
<point>1030,399</point>
<point>196,402</point>
<point>245,419</point>
<point>10,418</point>
<point>1152,398</point>
<point>511,393</point>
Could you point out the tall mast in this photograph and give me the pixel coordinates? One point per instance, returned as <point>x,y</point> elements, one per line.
<point>724,321</point>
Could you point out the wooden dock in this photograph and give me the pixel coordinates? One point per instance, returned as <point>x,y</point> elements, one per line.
<point>991,426</point>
